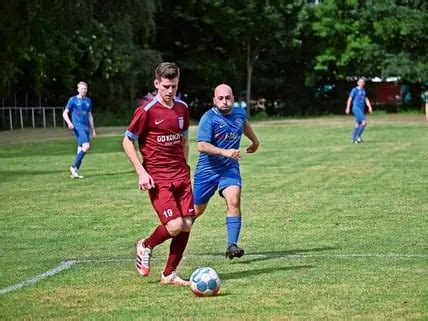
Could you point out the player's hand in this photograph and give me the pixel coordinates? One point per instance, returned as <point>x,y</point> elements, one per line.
<point>232,153</point>
<point>94,134</point>
<point>70,126</point>
<point>145,181</point>
<point>252,148</point>
<point>347,111</point>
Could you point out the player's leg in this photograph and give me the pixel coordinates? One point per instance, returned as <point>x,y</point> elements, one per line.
<point>204,188</point>
<point>163,201</point>
<point>232,196</point>
<point>200,209</point>
<point>355,111</point>
<point>230,189</point>
<point>361,130</point>
<point>83,146</point>
<point>355,132</point>
<point>184,199</point>
<point>426,111</point>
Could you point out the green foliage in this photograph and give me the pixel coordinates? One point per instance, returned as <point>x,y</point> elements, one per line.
<point>274,49</point>
<point>371,38</point>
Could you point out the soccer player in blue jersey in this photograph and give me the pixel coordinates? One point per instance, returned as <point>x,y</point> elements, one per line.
<point>358,99</point>
<point>219,137</point>
<point>80,108</point>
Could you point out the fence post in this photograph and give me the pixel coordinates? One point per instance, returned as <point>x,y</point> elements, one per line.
<point>32,118</point>
<point>44,117</point>
<point>10,118</point>
<point>21,118</point>
<point>54,117</point>
<point>3,110</point>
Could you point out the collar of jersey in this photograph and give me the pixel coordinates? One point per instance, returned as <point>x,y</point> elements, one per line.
<point>158,100</point>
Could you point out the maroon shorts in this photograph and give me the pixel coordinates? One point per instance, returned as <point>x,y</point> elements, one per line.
<point>172,199</point>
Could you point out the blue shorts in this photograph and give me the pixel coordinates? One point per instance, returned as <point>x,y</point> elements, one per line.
<point>204,188</point>
<point>359,115</point>
<point>82,135</point>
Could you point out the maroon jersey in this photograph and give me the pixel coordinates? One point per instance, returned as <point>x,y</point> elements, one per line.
<point>160,131</point>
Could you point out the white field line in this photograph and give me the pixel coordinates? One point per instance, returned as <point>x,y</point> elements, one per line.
<point>61,267</point>
<point>65,265</point>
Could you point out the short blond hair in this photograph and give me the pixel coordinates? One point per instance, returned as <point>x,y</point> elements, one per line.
<point>82,83</point>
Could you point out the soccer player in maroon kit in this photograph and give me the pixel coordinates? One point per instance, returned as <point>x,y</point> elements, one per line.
<point>161,128</point>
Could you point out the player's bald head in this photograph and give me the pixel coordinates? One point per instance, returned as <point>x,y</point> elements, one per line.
<point>223,98</point>
<point>223,90</point>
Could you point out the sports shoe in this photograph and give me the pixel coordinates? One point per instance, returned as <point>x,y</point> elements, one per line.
<point>173,279</point>
<point>234,251</point>
<point>355,142</point>
<point>74,172</point>
<point>142,258</point>
<point>359,140</point>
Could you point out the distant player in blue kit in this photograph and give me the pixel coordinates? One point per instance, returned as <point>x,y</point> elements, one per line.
<point>80,108</point>
<point>358,99</point>
<point>219,136</point>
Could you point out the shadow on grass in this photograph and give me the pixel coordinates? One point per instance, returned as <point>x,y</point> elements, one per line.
<point>250,257</point>
<point>24,172</point>
<point>10,175</point>
<point>60,148</point>
<point>253,272</point>
<point>130,171</point>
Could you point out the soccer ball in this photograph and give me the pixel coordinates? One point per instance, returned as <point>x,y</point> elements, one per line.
<point>204,281</point>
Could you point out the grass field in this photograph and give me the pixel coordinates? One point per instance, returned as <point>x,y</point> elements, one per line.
<point>331,230</point>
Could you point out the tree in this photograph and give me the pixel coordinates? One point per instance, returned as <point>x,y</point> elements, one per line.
<point>371,38</point>
<point>257,26</point>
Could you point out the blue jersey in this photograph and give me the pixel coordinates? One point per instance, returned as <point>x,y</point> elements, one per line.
<point>358,97</point>
<point>79,109</point>
<point>223,131</point>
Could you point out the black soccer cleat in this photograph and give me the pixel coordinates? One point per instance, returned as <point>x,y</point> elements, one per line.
<point>234,251</point>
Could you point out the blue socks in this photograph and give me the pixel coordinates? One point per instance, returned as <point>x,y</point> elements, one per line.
<point>360,131</point>
<point>233,226</point>
<point>78,159</point>
<point>355,133</point>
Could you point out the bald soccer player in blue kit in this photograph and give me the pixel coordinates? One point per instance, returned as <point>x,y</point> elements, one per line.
<point>219,136</point>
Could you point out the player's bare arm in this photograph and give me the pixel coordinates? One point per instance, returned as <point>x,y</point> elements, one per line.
<point>348,106</point>
<point>91,124</point>
<point>369,105</point>
<point>67,119</point>
<point>210,149</point>
<point>185,143</point>
<point>251,135</point>
<point>145,181</point>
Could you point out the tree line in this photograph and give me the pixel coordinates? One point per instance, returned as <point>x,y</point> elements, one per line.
<point>281,50</point>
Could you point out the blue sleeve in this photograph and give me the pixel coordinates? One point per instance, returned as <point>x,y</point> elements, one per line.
<point>70,104</point>
<point>205,129</point>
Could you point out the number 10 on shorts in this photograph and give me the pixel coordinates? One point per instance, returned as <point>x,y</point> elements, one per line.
<point>167,213</point>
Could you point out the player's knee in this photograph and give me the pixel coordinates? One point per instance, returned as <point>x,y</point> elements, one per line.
<point>233,203</point>
<point>233,211</point>
<point>175,226</point>
<point>86,147</point>
<point>187,224</point>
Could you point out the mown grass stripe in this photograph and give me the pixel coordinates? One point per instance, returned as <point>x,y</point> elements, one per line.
<point>69,263</point>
